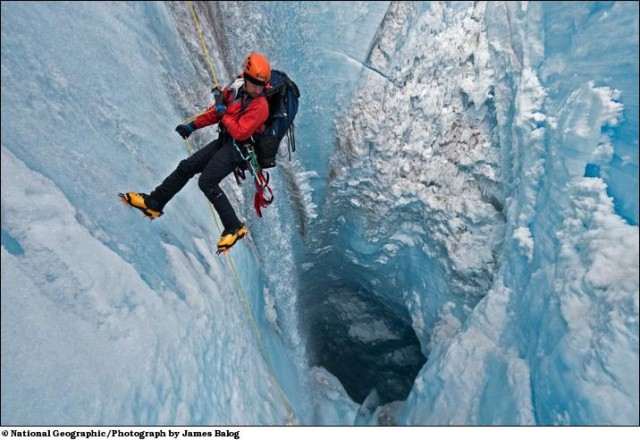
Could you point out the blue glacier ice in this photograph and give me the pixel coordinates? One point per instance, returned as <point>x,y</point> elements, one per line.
<point>454,241</point>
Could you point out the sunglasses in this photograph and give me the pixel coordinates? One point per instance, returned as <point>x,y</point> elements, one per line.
<point>253,80</point>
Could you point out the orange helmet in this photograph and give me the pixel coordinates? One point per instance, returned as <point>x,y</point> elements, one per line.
<point>257,69</point>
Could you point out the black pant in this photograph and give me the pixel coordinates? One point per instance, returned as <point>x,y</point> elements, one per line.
<point>215,161</point>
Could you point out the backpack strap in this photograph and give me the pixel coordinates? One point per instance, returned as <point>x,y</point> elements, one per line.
<point>245,102</point>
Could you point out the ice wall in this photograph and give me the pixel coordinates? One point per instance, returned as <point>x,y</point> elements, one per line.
<point>503,184</point>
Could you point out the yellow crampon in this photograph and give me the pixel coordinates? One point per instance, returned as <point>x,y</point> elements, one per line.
<point>138,201</point>
<point>228,240</point>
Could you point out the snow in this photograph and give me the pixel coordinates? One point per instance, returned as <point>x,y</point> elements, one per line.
<point>523,236</point>
<point>470,168</point>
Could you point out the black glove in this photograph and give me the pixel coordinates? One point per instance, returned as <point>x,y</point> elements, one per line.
<point>185,130</point>
<point>217,96</point>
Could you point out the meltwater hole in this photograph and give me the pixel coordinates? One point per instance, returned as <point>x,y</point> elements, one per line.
<point>365,343</point>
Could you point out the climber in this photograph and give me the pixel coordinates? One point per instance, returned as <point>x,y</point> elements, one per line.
<point>240,111</point>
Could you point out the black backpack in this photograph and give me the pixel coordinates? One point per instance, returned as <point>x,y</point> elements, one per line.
<point>283,97</point>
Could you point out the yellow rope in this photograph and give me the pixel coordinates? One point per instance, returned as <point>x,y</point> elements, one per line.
<point>254,325</point>
<point>202,43</point>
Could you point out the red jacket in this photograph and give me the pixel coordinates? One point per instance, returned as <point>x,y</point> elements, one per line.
<point>240,124</point>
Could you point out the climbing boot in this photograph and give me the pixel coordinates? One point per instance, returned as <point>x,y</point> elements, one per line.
<point>149,207</point>
<point>230,237</point>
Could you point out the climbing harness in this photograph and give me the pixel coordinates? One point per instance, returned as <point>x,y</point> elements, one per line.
<point>261,182</point>
<point>264,195</point>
